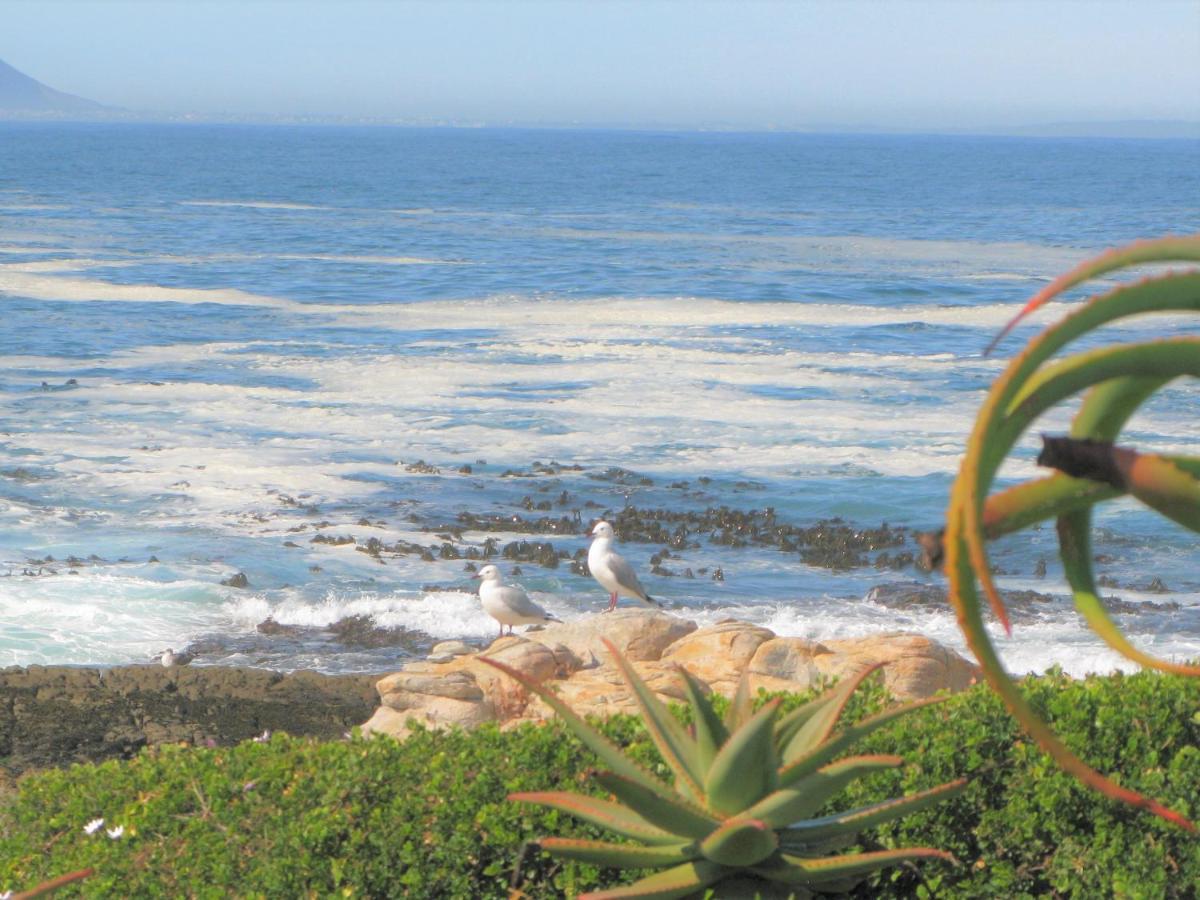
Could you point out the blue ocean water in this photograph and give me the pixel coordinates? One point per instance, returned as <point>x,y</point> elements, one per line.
<point>222,342</point>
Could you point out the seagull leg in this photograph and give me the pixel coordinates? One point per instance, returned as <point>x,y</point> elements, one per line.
<point>612,602</point>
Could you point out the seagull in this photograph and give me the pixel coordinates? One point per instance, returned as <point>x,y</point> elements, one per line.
<point>508,605</point>
<point>170,658</point>
<point>610,569</point>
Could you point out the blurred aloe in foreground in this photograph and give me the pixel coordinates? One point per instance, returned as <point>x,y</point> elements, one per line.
<point>1115,381</point>
<point>744,803</point>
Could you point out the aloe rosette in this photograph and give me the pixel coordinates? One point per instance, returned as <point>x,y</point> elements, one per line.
<point>745,796</point>
<point>1115,382</point>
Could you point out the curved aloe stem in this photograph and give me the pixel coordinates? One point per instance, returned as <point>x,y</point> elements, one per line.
<point>1120,378</point>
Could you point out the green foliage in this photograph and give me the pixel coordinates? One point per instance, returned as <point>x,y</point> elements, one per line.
<point>1115,381</point>
<point>743,799</point>
<point>429,818</point>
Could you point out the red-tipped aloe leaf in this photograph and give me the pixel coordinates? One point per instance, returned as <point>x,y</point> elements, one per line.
<point>682,881</point>
<point>789,805</point>
<point>608,752</point>
<point>744,768</point>
<point>740,842</point>
<point>606,814</point>
<point>741,707</point>
<point>1168,249</point>
<point>830,748</point>
<point>678,749</point>
<point>804,871</point>
<point>710,730</point>
<point>856,820</point>
<point>821,723</point>
<point>661,808</point>
<point>622,856</point>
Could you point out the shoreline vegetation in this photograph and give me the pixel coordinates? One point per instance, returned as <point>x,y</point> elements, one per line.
<point>427,817</point>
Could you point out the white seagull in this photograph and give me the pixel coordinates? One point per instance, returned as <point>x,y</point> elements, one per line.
<point>506,604</point>
<point>610,569</point>
<point>170,658</point>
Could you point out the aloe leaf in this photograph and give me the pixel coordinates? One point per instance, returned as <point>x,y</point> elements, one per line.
<point>992,438</point>
<point>805,871</point>
<point>660,807</point>
<point>681,881</point>
<point>608,752</point>
<point>740,842</point>
<point>827,750</point>
<point>741,707</point>
<point>606,814</point>
<point>966,602</point>
<point>743,769</point>
<point>1168,249</point>
<point>625,856</point>
<point>1074,544</point>
<point>792,804</point>
<point>792,722</point>
<point>710,730</point>
<point>856,820</point>
<point>677,748</point>
<point>823,720</point>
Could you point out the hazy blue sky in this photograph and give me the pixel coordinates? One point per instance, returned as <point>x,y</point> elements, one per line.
<point>901,64</point>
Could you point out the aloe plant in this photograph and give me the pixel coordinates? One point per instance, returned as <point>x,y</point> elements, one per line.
<point>745,797</point>
<point>1091,468</point>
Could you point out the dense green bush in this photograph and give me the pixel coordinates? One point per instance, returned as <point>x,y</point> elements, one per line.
<point>428,818</point>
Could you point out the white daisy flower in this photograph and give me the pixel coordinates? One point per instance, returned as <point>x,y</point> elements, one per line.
<point>90,828</point>
<point>115,833</point>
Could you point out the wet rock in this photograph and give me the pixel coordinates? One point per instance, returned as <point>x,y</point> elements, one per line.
<point>361,631</point>
<point>270,626</point>
<point>236,581</point>
<point>58,715</point>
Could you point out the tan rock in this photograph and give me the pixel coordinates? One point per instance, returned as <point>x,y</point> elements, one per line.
<point>917,666</point>
<point>456,685</point>
<point>640,634</point>
<point>719,653</point>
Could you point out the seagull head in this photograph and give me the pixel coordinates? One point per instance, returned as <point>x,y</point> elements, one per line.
<point>602,530</point>
<point>487,573</point>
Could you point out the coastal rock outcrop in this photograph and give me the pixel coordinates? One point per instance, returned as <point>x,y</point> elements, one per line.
<point>461,691</point>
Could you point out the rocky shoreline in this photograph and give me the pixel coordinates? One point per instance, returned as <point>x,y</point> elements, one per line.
<point>59,715</point>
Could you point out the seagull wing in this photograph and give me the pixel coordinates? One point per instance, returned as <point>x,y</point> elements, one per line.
<point>518,601</point>
<point>626,577</point>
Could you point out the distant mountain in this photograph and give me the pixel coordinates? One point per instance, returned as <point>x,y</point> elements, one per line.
<point>20,94</point>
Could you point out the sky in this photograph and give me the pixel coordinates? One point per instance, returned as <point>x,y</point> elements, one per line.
<point>889,64</point>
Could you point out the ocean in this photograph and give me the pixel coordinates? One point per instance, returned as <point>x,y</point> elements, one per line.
<point>269,393</point>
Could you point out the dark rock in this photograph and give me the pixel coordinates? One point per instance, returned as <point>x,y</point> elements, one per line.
<point>236,581</point>
<point>58,715</point>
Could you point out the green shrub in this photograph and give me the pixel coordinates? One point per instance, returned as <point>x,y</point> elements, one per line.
<point>428,817</point>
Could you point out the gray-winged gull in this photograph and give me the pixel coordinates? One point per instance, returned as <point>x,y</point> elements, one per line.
<point>506,604</point>
<point>610,569</point>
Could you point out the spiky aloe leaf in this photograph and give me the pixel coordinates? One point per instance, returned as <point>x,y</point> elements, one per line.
<point>662,808</point>
<point>613,816</point>
<point>855,820</point>
<point>741,707</point>
<point>788,805</point>
<point>790,723</point>
<point>609,752</point>
<point>624,856</point>
<point>710,730</point>
<point>1001,419</point>
<point>1167,249</point>
<point>681,881</point>
<point>744,769</point>
<point>831,870</point>
<point>824,752</point>
<point>740,842</point>
<point>823,719</point>
<point>678,749</point>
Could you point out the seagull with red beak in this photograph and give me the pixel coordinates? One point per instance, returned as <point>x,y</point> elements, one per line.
<point>612,571</point>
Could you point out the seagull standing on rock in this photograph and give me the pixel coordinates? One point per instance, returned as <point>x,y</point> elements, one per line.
<point>610,569</point>
<point>506,604</point>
